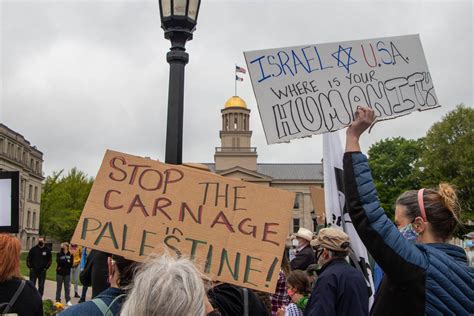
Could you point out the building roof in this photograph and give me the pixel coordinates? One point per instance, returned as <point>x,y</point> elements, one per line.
<point>18,137</point>
<point>287,171</point>
<point>235,101</point>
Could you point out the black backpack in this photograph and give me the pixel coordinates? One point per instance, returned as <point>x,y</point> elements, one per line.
<point>5,307</point>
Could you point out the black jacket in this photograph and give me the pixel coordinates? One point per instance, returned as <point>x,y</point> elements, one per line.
<point>39,258</point>
<point>339,290</point>
<point>64,261</point>
<point>303,259</point>
<point>228,299</point>
<point>95,272</point>
<point>28,303</point>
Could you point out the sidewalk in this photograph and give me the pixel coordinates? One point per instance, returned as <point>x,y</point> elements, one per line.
<point>50,292</point>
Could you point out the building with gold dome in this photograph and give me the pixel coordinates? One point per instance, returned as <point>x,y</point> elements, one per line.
<point>237,158</point>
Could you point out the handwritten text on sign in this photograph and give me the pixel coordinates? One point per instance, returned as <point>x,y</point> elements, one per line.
<point>313,89</point>
<point>234,230</point>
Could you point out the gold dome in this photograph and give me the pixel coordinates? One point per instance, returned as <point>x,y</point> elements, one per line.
<point>235,101</point>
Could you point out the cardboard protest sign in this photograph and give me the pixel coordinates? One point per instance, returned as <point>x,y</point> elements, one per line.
<point>312,89</point>
<point>317,197</point>
<point>234,231</point>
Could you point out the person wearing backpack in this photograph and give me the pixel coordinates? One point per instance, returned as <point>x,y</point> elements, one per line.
<point>17,296</point>
<point>109,302</point>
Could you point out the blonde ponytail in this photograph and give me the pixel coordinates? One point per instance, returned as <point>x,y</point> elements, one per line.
<point>449,199</point>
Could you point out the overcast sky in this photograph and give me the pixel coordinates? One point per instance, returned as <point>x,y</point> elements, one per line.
<point>79,77</point>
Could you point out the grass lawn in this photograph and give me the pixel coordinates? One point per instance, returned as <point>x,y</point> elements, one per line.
<point>50,274</point>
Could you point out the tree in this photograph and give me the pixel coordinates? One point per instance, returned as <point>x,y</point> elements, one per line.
<point>395,169</point>
<point>62,201</point>
<point>448,156</point>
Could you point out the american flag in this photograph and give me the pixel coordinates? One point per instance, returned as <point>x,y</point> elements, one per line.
<point>240,69</point>
<point>237,78</point>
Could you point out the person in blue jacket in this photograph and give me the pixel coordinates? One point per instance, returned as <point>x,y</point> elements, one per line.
<point>429,277</point>
<point>340,288</point>
<point>109,302</point>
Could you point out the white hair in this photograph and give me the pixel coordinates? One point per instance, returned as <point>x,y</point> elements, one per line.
<point>166,286</point>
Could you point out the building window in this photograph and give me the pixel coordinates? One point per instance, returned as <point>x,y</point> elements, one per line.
<point>37,167</point>
<point>31,163</point>
<point>235,123</point>
<point>296,224</point>
<point>23,188</point>
<point>30,192</point>
<point>36,194</point>
<point>34,220</point>
<point>1,145</point>
<point>297,201</point>
<point>28,220</point>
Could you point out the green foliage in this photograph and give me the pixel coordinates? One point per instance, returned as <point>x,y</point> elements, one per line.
<point>445,154</point>
<point>395,169</point>
<point>48,307</point>
<point>62,202</point>
<point>448,156</point>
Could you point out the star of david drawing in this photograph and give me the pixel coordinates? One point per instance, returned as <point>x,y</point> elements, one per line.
<point>341,63</point>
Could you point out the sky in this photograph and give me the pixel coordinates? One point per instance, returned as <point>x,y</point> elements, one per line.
<point>80,77</point>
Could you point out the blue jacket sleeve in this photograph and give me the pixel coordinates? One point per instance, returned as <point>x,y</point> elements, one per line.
<point>399,259</point>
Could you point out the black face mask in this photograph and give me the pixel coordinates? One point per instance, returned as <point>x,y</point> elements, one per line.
<point>41,243</point>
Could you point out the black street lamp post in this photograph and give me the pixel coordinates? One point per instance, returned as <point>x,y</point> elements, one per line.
<point>178,20</point>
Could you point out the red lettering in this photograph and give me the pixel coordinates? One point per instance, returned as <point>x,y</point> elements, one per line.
<point>137,202</point>
<point>107,200</point>
<point>169,180</point>
<point>134,172</point>
<point>224,221</point>
<point>373,56</point>
<point>267,231</point>
<point>113,166</point>
<point>158,207</point>
<point>158,185</point>
<point>252,232</point>
<point>185,207</point>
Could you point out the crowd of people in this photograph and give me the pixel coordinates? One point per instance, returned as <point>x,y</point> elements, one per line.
<point>420,273</point>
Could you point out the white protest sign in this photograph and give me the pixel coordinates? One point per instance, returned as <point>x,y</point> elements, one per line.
<point>312,89</point>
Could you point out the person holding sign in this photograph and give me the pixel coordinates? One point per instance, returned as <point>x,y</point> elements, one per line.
<point>430,277</point>
<point>304,253</point>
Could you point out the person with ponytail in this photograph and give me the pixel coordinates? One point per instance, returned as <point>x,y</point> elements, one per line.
<point>424,274</point>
